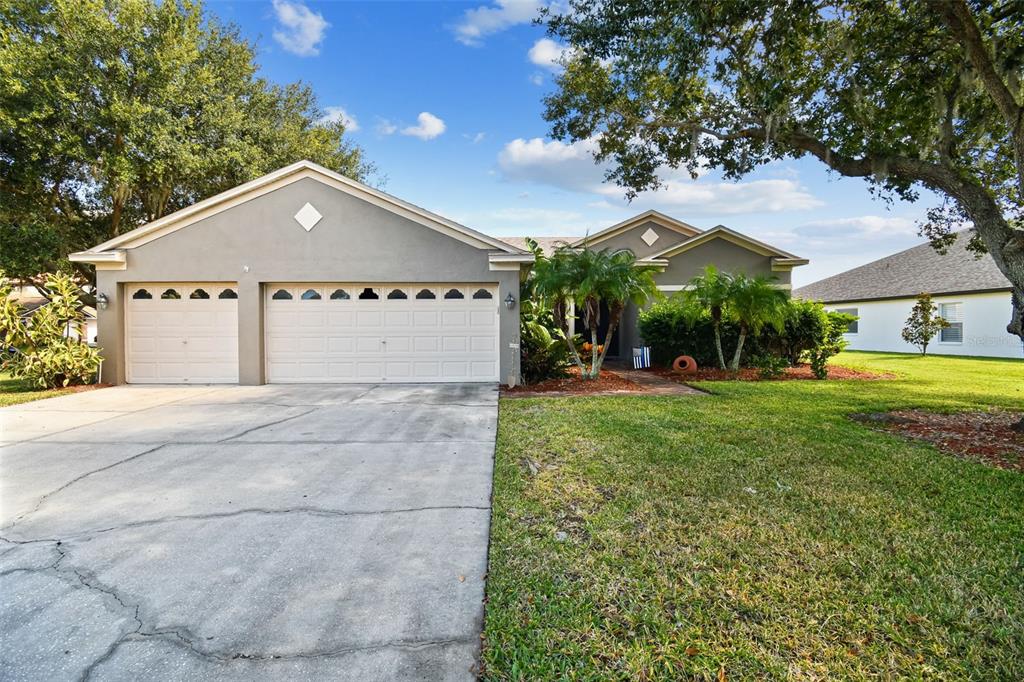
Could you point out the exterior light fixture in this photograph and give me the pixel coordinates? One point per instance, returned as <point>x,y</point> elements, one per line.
<point>510,301</point>
<point>102,301</point>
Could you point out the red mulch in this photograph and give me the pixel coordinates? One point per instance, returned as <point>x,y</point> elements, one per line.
<point>979,436</point>
<point>751,374</point>
<point>606,382</point>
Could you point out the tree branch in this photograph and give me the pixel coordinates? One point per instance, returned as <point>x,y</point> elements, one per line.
<point>957,17</point>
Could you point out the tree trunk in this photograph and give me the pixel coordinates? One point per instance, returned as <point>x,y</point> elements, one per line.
<point>614,315</point>
<point>718,347</point>
<point>735,365</point>
<point>563,321</point>
<point>593,353</point>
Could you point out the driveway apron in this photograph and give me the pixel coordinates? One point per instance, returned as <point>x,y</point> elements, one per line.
<point>264,532</point>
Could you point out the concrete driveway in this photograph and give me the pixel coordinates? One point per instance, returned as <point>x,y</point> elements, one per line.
<point>266,532</point>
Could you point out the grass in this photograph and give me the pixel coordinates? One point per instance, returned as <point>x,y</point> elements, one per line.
<point>16,391</point>
<point>756,533</point>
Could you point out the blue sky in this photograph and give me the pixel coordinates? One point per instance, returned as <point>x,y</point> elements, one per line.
<point>445,98</point>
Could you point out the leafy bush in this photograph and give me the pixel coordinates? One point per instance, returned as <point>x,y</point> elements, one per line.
<point>41,353</point>
<point>803,329</point>
<point>769,366</point>
<point>542,354</point>
<point>831,344</point>
<point>670,332</point>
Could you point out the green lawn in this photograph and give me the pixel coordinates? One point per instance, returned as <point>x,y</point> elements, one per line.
<point>15,391</point>
<point>756,532</point>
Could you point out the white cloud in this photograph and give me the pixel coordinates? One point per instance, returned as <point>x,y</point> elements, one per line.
<point>299,29</point>
<point>475,138</point>
<point>547,53</point>
<point>336,114</point>
<point>571,167</point>
<point>386,127</point>
<point>427,128</point>
<point>479,22</point>
<point>537,78</point>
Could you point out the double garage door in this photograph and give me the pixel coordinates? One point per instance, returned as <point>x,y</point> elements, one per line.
<point>326,333</point>
<point>381,333</point>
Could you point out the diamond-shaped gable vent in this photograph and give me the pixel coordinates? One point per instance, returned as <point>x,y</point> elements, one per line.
<point>649,237</point>
<point>308,217</point>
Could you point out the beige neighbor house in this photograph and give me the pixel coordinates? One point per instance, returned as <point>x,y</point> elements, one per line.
<point>305,276</point>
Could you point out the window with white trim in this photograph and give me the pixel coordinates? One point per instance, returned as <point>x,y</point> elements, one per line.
<point>852,327</point>
<point>953,314</point>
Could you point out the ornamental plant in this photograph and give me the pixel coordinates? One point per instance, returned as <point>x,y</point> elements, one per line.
<point>924,323</point>
<point>37,347</point>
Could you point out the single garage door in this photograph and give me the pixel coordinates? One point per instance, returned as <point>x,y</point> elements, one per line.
<point>182,332</point>
<point>342,333</point>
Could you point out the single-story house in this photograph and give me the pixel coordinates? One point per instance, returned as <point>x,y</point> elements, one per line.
<point>970,291</point>
<point>306,276</point>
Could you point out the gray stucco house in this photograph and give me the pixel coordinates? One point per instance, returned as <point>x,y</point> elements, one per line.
<point>305,276</point>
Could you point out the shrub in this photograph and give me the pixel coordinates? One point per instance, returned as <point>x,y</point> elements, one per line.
<point>924,323</point>
<point>671,330</point>
<point>831,344</point>
<point>804,325</point>
<point>543,354</point>
<point>769,366</point>
<point>41,353</point>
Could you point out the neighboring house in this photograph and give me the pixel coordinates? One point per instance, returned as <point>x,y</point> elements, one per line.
<point>970,292</point>
<point>305,276</point>
<point>31,300</point>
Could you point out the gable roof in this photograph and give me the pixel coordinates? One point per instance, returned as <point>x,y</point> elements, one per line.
<point>658,217</point>
<point>778,256</point>
<point>908,273</point>
<point>108,250</point>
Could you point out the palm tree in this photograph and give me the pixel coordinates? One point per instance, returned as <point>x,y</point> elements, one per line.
<point>589,278</point>
<point>753,303</point>
<point>710,292</point>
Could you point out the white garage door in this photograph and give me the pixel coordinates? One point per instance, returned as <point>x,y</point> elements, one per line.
<point>369,333</point>
<point>181,332</point>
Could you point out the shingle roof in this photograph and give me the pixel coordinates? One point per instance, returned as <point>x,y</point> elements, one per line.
<point>546,244</point>
<point>910,272</point>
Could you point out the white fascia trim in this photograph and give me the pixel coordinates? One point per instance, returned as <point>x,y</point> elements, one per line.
<point>786,264</point>
<point>509,261</point>
<point>657,216</point>
<point>103,260</point>
<point>286,176</point>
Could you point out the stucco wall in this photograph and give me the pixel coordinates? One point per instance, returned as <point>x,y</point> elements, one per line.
<point>984,316</point>
<point>631,239</point>
<point>259,242</point>
<point>722,254</point>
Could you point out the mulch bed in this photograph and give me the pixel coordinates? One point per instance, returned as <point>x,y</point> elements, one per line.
<point>751,374</point>
<point>983,436</point>
<point>607,382</point>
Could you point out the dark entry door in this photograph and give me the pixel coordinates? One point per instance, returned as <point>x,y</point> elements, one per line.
<point>602,331</point>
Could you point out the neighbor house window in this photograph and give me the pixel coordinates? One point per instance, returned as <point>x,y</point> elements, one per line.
<point>952,313</point>
<point>852,327</point>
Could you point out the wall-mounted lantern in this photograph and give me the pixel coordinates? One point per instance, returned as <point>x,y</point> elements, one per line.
<point>102,301</point>
<point>510,301</point>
